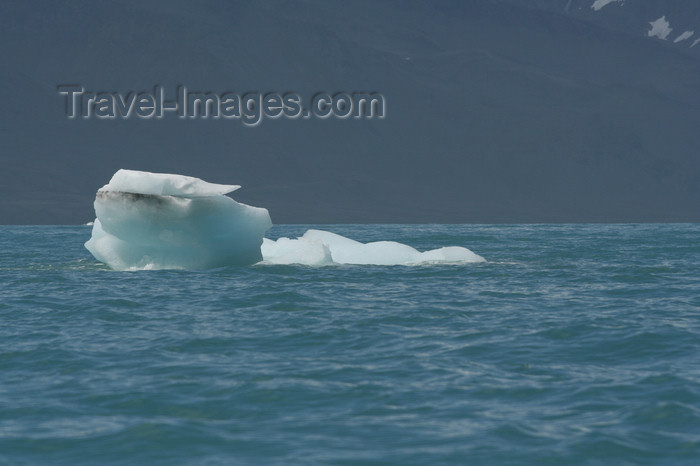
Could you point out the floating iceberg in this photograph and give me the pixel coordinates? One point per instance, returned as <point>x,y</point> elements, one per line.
<point>162,221</point>
<point>318,247</point>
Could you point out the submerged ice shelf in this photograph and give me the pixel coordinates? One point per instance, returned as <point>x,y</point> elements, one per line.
<point>318,247</point>
<point>163,221</point>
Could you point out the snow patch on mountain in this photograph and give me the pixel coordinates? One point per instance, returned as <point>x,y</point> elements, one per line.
<point>684,36</point>
<point>598,4</point>
<point>660,28</point>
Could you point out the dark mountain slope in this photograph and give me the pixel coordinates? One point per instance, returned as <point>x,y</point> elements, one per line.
<point>495,112</point>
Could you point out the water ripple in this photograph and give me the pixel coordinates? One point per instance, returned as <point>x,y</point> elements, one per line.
<point>574,344</point>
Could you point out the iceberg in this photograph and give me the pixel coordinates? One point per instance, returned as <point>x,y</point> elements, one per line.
<point>318,247</point>
<point>164,221</point>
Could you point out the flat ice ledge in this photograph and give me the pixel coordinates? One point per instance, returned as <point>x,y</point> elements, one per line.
<point>164,184</point>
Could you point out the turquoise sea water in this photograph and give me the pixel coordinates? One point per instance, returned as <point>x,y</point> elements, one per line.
<point>573,344</point>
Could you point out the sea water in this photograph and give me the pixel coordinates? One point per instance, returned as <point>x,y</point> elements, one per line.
<point>572,344</point>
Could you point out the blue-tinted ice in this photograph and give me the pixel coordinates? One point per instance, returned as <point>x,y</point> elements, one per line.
<point>163,221</point>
